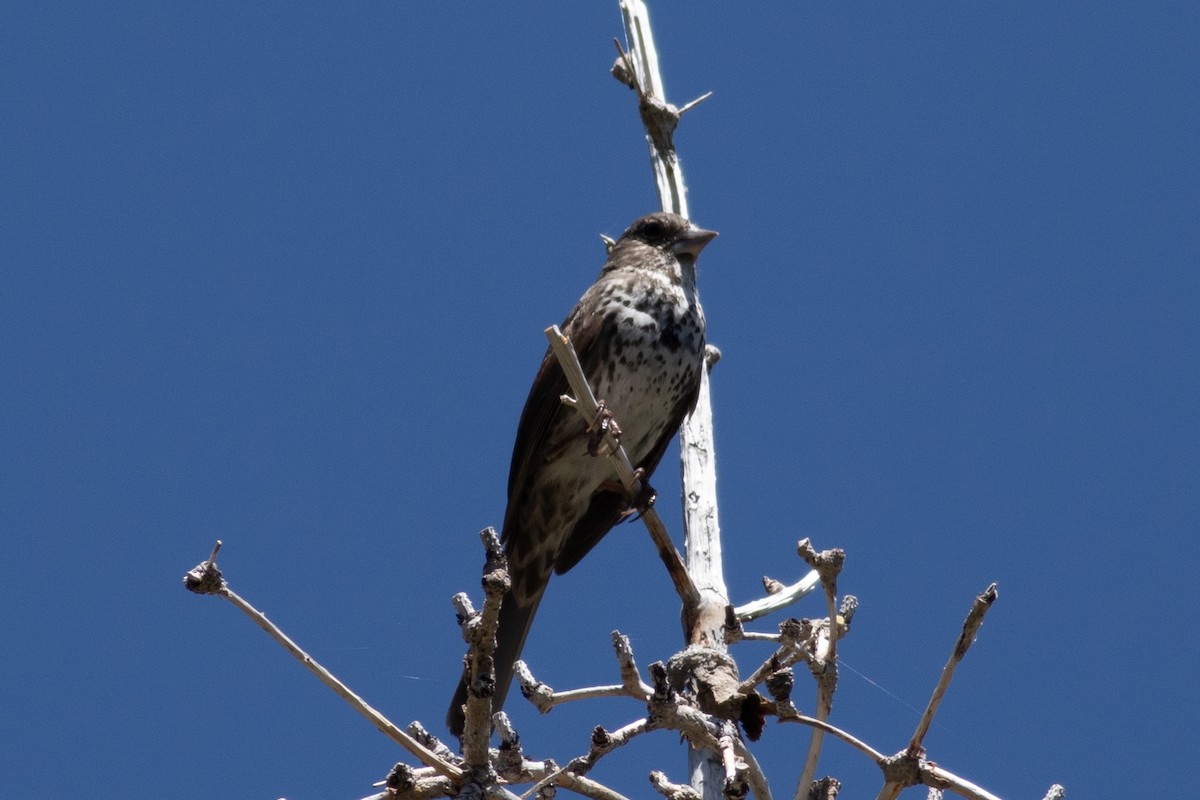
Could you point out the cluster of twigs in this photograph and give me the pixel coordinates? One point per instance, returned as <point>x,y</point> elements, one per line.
<point>697,694</point>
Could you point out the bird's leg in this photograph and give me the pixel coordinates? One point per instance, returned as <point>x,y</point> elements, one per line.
<point>603,424</point>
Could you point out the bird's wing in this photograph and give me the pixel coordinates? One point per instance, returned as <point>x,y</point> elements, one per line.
<point>544,412</point>
<point>546,426</point>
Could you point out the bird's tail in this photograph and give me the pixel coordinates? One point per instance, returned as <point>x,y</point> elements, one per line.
<point>515,621</point>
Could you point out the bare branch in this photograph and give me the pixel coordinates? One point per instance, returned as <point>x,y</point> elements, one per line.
<point>832,730</point>
<point>538,771</point>
<point>823,664</point>
<point>672,791</point>
<point>207,575</point>
<point>510,758</point>
<point>479,631</point>
<point>631,679</point>
<point>602,743</point>
<point>544,698</point>
<point>934,775</point>
<point>782,597</point>
<point>535,691</point>
<point>701,730</point>
<point>970,628</point>
<point>587,787</point>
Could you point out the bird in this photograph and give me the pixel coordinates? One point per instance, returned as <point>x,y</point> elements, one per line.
<point>639,332</point>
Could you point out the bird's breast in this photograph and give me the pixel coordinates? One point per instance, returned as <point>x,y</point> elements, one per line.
<point>650,359</point>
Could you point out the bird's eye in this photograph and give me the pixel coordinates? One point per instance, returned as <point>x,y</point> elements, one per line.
<point>653,231</point>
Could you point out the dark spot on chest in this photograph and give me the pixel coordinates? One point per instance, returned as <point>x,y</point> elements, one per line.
<point>670,338</point>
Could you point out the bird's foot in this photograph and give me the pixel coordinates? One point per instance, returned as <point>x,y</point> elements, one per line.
<point>640,500</point>
<point>603,424</point>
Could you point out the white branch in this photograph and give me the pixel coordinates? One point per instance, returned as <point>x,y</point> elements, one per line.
<point>781,599</point>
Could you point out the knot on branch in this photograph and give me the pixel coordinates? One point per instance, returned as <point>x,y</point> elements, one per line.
<point>826,788</point>
<point>772,586</point>
<point>538,692</point>
<point>709,678</point>
<point>827,563</point>
<point>426,739</point>
<point>902,769</point>
<point>401,779</point>
<point>661,683</point>
<point>974,620</point>
<point>659,117</point>
<point>496,580</point>
<point>483,677</point>
<point>795,633</point>
<point>602,740</point>
<point>205,578</point>
<point>510,758</point>
<point>780,683</point>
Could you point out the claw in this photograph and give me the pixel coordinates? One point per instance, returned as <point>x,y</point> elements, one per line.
<point>603,424</point>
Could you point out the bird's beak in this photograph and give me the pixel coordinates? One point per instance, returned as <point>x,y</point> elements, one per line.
<point>692,241</point>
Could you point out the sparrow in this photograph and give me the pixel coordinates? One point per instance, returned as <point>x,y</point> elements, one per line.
<point>639,334</point>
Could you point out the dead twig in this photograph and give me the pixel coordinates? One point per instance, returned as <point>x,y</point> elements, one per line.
<point>206,578</point>
<point>966,638</point>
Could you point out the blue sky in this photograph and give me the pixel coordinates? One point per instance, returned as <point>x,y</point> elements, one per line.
<point>277,273</point>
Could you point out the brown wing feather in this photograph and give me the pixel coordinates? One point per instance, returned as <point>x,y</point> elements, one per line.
<point>539,419</point>
<point>542,405</point>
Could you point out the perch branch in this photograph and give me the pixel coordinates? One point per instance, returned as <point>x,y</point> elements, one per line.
<point>585,403</point>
